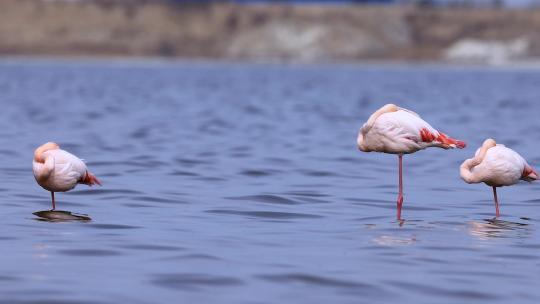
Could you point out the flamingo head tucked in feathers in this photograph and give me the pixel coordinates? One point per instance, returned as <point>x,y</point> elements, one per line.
<point>466,168</point>
<point>38,154</point>
<point>371,121</point>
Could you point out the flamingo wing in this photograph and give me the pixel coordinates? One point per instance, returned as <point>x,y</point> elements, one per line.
<point>501,166</point>
<point>69,169</point>
<point>424,133</point>
<point>392,129</point>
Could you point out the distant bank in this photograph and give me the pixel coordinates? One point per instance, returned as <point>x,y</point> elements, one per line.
<point>304,33</point>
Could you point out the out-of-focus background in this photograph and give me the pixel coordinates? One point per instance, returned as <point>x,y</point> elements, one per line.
<point>493,31</point>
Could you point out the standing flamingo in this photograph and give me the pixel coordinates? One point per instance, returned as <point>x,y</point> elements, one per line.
<point>57,170</point>
<point>496,166</point>
<point>396,130</point>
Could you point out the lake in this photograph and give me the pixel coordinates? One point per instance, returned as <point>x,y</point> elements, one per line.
<point>242,183</point>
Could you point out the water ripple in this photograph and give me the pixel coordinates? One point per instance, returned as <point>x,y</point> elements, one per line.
<point>266,214</point>
<point>315,281</point>
<point>456,293</point>
<point>99,191</point>
<point>258,173</point>
<point>194,280</point>
<point>265,198</point>
<point>4,278</point>
<point>112,226</point>
<point>89,252</point>
<point>51,300</point>
<point>157,200</point>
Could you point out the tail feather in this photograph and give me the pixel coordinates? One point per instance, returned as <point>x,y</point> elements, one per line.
<point>443,138</point>
<point>90,179</point>
<point>445,141</point>
<point>529,174</point>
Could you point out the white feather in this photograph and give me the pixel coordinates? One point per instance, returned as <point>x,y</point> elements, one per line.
<point>61,171</point>
<point>501,166</point>
<point>396,132</point>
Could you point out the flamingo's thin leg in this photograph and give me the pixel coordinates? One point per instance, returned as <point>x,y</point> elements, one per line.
<point>496,201</point>
<point>400,196</point>
<point>52,200</point>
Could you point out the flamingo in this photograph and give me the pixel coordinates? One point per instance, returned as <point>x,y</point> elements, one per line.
<point>496,166</point>
<point>57,170</point>
<point>396,130</point>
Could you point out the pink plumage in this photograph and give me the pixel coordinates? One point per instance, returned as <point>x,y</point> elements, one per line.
<point>396,130</point>
<point>496,166</point>
<point>57,170</point>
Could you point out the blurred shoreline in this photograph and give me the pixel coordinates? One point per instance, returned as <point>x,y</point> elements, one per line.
<point>163,62</point>
<point>268,33</point>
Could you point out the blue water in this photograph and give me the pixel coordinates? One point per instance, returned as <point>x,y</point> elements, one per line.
<point>238,183</point>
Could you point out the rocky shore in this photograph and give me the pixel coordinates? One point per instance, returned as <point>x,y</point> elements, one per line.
<point>304,33</point>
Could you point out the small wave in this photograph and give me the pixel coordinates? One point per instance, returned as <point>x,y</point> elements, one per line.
<point>194,280</point>
<point>8,152</point>
<point>194,256</point>
<point>157,200</point>
<point>152,247</point>
<point>190,161</point>
<point>8,238</point>
<point>50,300</point>
<point>183,173</point>
<point>89,252</point>
<point>103,191</point>
<point>433,290</point>
<point>265,198</point>
<point>112,226</point>
<point>135,205</point>
<point>307,193</point>
<point>318,173</point>
<point>313,280</point>
<point>4,278</point>
<point>211,179</point>
<point>267,214</point>
<point>278,160</point>
<point>258,173</point>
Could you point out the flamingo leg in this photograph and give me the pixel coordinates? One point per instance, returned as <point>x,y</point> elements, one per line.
<point>400,195</point>
<point>52,200</point>
<point>496,202</point>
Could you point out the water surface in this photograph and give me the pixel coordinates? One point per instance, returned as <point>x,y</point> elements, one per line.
<point>235,183</point>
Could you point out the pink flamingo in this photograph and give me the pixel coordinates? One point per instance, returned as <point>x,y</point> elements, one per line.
<point>496,166</point>
<point>57,170</point>
<point>396,130</point>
